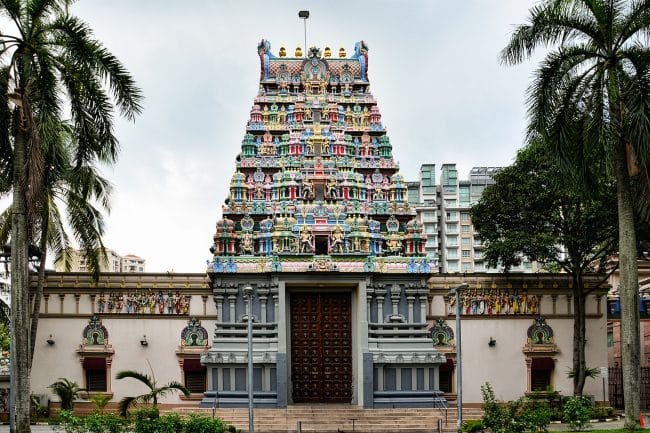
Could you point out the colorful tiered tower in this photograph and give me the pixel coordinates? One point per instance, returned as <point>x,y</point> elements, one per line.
<point>318,228</point>
<point>316,181</point>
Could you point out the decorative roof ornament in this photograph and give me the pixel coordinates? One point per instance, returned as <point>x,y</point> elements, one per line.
<point>95,334</point>
<point>540,332</point>
<point>314,53</point>
<point>441,333</point>
<point>194,334</point>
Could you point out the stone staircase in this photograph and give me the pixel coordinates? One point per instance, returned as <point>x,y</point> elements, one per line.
<point>341,418</point>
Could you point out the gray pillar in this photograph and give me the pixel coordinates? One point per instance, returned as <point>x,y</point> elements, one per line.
<point>368,385</point>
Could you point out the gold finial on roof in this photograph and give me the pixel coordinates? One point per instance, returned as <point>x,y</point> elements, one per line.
<point>298,52</point>
<point>283,52</point>
<point>341,52</point>
<point>328,52</point>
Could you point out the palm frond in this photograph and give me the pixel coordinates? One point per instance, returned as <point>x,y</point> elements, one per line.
<point>144,378</point>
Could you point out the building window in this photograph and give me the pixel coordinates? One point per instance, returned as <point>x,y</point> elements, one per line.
<point>194,375</point>
<point>445,376</point>
<point>430,228</point>
<point>450,203</point>
<point>465,228</point>
<point>466,253</point>
<point>452,228</point>
<point>466,242</point>
<point>466,267</point>
<point>478,267</point>
<point>478,255</point>
<point>452,254</point>
<point>95,374</point>
<point>452,266</point>
<point>452,240</point>
<point>541,372</point>
<point>464,216</point>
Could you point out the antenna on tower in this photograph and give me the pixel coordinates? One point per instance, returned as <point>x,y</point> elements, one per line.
<point>304,15</point>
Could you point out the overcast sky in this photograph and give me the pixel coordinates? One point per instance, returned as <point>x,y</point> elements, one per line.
<point>433,68</point>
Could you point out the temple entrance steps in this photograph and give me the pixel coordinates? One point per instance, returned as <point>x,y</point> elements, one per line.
<point>334,418</point>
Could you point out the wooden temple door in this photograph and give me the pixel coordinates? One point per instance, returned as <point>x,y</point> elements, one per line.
<point>321,347</point>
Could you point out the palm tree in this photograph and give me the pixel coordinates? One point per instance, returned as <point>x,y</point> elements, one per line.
<point>67,391</point>
<point>68,192</point>
<point>593,88</point>
<point>50,64</point>
<point>155,391</point>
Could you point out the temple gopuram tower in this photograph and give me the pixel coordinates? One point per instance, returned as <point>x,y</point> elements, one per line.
<point>317,222</point>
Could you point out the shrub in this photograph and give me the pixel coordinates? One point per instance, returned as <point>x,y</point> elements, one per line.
<point>536,415</point>
<point>170,423</point>
<point>70,423</point>
<point>67,391</point>
<point>500,418</point>
<point>146,420</point>
<point>602,412</point>
<point>577,412</point>
<point>100,401</point>
<point>196,423</point>
<point>472,426</point>
<point>105,423</point>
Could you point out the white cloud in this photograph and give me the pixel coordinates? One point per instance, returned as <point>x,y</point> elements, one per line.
<point>433,68</point>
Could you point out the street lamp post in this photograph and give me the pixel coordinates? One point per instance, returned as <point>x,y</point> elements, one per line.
<point>304,15</point>
<point>248,293</point>
<point>455,291</point>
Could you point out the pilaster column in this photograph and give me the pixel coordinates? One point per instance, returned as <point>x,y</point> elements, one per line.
<point>554,301</point>
<point>395,294</point>
<point>232,300</point>
<point>276,308</point>
<point>410,300</point>
<point>61,300</point>
<point>218,300</point>
<point>368,301</point>
<point>380,304</point>
<point>263,300</point>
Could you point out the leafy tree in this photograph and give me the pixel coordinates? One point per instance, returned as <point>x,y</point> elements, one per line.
<point>67,391</point>
<point>155,391</point>
<point>591,99</point>
<point>533,211</point>
<point>69,197</point>
<point>50,64</point>
<point>73,189</point>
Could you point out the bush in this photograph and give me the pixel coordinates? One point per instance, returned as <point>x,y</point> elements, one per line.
<point>602,412</point>
<point>202,424</point>
<point>170,423</point>
<point>105,423</point>
<point>500,418</point>
<point>472,426</point>
<point>536,415</point>
<point>70,423</point>
<point>146,420</point>
<point>577,412</point>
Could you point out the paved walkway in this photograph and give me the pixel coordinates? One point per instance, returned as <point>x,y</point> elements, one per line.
<point>612,425</point>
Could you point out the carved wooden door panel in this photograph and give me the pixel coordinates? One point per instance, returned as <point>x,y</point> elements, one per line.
<point>321,347</point>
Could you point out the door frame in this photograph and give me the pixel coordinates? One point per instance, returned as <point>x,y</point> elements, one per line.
<point>326,287</point>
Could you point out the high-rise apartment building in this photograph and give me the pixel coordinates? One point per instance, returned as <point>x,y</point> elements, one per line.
<point>114,263</point>
<point>444,211</point>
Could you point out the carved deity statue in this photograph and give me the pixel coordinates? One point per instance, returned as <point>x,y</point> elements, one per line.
<point>332,193</point>
<point>306,243</point>
<point>307,190</point>
<point>247,243</point>
<point>336,240</point>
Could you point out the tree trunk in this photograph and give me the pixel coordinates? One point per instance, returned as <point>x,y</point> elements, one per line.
<point>36,310</point>
<point>628,291</point>
<point>19,282</point>
<point>629,278</point>
<point>579,336</point>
